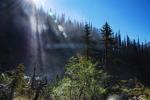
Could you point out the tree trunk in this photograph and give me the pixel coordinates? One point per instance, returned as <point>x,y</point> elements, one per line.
<point>12,93</point>
<point>37,94</point>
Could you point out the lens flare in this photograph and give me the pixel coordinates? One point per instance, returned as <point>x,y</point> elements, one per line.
<point>50,13</point>
<point>55,21</point>
<point>61,29</point>
<point>65,35</point>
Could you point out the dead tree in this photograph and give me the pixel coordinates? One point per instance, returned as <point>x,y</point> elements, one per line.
<point>37,85</point>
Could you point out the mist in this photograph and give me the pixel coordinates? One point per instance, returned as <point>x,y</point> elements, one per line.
<point>37,38</point>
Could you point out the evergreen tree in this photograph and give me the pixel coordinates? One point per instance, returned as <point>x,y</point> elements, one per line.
<point>91,48</point>
<point>128,42</point>
<point>119,39</point>
<point>87,39</point>
<point>107,38</point>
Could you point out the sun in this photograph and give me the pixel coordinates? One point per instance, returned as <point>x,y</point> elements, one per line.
<point>39,3</point>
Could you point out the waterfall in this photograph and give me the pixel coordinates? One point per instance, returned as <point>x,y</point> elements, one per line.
<point>39,57</point>
<point>36,27</point>
<point>38,48</point>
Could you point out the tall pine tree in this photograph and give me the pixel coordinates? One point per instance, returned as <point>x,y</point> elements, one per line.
<point>108,40</point>
<point>87,39</point>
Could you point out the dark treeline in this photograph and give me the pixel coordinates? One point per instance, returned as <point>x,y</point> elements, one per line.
<point>133,54</point>
<point>127,55</point>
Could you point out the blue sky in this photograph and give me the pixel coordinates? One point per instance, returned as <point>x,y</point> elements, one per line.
<point>131,17</point>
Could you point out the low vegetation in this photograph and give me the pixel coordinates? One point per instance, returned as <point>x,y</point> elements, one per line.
<point>84,79</point>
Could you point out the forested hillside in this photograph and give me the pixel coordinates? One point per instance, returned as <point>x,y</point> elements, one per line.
<point>44,56</point>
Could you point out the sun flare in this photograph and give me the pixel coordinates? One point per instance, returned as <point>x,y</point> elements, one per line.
<point>39,3</point>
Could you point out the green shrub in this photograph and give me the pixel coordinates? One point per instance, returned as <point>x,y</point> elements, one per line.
<point>82,81</point>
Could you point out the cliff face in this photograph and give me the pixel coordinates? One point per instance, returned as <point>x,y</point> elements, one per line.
<point>23,39</point>
<point>14,35</point>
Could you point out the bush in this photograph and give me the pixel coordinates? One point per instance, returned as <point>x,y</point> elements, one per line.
<point>81,81</point>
